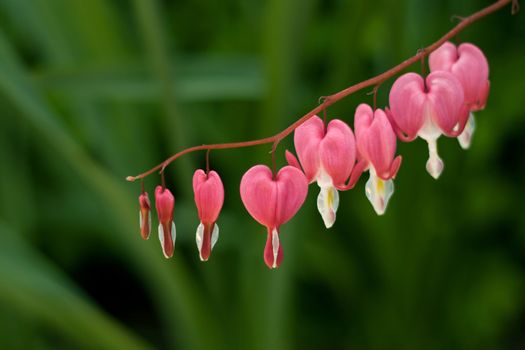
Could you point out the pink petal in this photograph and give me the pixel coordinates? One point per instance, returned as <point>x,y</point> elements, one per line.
<point>446,100</point>
<point>469,65</point>
<point>399,133</point>
<point>259,194</point>
<point>292,189</point>
<point>292,160</point>
<point>167,235</point>
<point>307,138</point>
<point>472,70</point>
<point>272,202</point>
<point>395,167</point>
<point>407,102</point>
<point>164,202</point>
<point>145,215</point>
<point>209,195</point>
<point>337,151</point>
<point>206,237</point>
<point>354,177</point>
<point>376,141</point>
<point>273,251</point>
<point>443,58</point>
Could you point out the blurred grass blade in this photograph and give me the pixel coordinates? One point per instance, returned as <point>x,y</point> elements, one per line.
<point>200,80</point>
<point>34,286</point>
<point>151,25</point>
<point>171,288</point>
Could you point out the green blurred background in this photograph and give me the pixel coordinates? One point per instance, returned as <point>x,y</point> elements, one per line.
<point>94,90</point>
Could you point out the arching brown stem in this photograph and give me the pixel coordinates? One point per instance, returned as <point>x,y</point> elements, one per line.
<point>329,100</point>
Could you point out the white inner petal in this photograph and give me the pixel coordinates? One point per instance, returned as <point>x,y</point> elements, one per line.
<point>161,238</point>
<point>378,192</point>
<point>214,235</point>
<point>323,179</point>
<point>327,204</point>
<point>275,246</point>
<point>173,233</point>
<point>465,138</point>
<point>434,163</point>
<point>429,130</point>
<point>149,223</point>
<point>140,219</point>
<point>199,236</point>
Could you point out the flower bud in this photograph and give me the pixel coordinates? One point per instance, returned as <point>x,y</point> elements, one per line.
<point>165,202</point>
<point>145,215</point>
<point>209,197</point>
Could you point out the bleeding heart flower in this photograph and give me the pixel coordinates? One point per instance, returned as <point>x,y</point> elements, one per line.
<point>145,215</point>
<point>328,157</point>
<point>376,144</point>
<point>164,202</point>
<point>209,197</point>
<point>273,201</point>
<point>428,108</point>
<point>467,63</point>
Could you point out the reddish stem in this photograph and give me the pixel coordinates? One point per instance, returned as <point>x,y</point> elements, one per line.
<point>208,161</point>
<point>329,100</point>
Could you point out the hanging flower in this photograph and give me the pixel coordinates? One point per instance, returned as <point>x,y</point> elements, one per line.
<point>376,144</point>
<point>327,155</point>
<point>164,202</point>
<point>467,63</point>
<point>428,108</point>
<point>273,201</point>
<point>209,197</point>
<point>145,215</point>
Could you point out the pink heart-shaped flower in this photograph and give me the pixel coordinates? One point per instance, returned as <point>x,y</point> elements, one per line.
<point>467,63</point>
<point>428,107</point>
<point>272,202</point>
<point>376,140</point>
<point>331,150</point>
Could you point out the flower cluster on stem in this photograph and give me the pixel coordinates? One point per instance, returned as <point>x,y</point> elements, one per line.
<point>330,154</point>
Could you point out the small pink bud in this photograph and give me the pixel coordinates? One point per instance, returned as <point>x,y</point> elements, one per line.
<point>209,197</point>
<point>376,144</point>
<point>428,108</point>
<point>272,202</point>
<point>467,63</point>
<point>328,157</point>
<point>145,215</point>
<point>165,202</point>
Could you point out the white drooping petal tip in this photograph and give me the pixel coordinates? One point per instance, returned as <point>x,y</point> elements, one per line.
<point>275,247</point>
<point>327,204</point>
<point>378,192</point>
<point>434,164</point>
<point>199,238</point>
<point>214,235</point>
<point>465,138</point>
<point>161,238</point>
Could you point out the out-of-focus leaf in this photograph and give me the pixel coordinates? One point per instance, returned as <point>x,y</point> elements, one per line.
<point>172,288</point>
<point>198,80</point>
<point>36,287</point>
